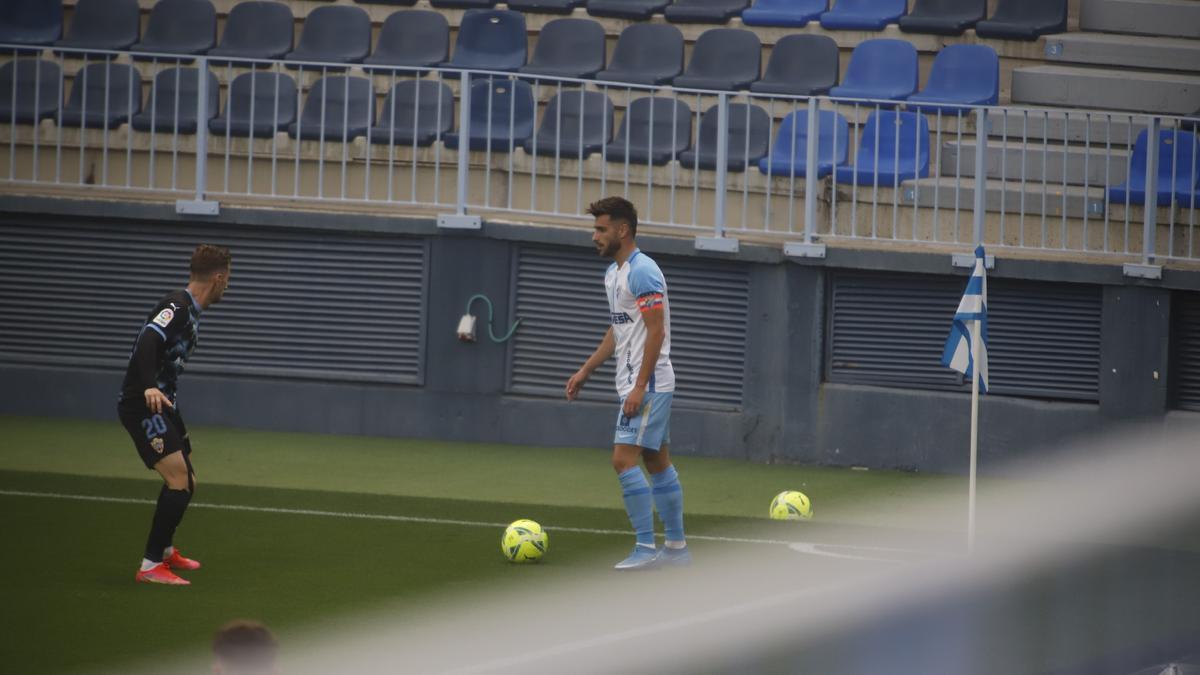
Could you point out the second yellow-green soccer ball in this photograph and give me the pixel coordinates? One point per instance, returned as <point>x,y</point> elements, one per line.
<point>791,505</point>
<point>524,541</point>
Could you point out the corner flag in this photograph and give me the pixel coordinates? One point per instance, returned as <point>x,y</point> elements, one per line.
<point>971,309</point>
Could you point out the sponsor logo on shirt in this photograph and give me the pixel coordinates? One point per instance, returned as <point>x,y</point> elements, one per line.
<point>619,318</point>
<point>164,317</point>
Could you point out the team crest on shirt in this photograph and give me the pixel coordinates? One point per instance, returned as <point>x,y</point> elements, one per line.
<point>157,444</point>
<point>164,317</point>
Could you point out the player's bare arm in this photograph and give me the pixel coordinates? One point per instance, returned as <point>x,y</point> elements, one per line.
<point>603,353</point>
<point>156,400</point>
<point>652,316</point>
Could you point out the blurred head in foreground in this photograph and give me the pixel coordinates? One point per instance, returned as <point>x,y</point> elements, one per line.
<point>244,647</point>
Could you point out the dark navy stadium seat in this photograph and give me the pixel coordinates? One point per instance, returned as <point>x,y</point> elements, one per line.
<point>545,6</point>
<point>502,116</point>
<point>576,124</point>
<point>965,74</point>
<point>38,91</point>
<point>173,98</point>
<point>414,37</point>
<point>490,39</point>
<point>334,34</point>
<point>463,4</point>
<point>724,59</point>
<point>863,14</point>
<point>789,155</point>
<point>415,112</point>
<point>785,13</point>
<point>179,27</point>
<point>800,65</point>
<point>655,130</point>
<point>401,3</point>
<point>902,140</point>
<point>638,10</point>
<point>258,29</point>
<point>258,106</point>
<point>123,85</point>
<point>338,108</point>
<point>568,48</point>
<point>704,11</point>
<point>749,137</point>
<point>646,53</point>
<point>103,24</point>
<point>943,17</point>
<point>881,69</point>
<point>31,22</point>
<point>1178,173</point>
<point>1024,19</point>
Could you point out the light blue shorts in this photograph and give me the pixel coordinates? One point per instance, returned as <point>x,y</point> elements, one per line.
<point>650,429</point>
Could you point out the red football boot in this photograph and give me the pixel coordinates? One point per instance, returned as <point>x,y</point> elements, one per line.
<point>176,561</point>
<point>160,574</point>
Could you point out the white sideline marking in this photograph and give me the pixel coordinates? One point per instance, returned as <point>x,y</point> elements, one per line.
<point>798,546</point>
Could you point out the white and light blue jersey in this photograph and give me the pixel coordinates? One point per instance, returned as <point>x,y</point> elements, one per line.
<point>635,287</point>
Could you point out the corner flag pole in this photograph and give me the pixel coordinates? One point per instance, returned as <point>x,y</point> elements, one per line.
<point>974,438</point>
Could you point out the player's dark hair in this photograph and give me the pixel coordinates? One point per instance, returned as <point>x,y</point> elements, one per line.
<point>618,210</point>
<point>245,644</point>
<point>207,260</point>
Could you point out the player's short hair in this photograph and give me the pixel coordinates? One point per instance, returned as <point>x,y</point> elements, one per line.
<point>245,645</point>
<point>617,209</point>
<point>207,260</point>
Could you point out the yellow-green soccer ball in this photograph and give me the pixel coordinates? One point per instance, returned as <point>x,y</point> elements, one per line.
<point>791,505</point>
<point>524,541</point>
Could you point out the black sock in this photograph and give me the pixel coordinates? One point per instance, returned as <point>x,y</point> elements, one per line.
<point>167,514</point>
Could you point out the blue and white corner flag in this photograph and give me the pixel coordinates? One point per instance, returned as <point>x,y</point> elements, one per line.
<point>972,307</point>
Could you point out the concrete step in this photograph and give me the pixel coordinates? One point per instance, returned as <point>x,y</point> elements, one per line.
<point>1133,51</point>
<point>1104,89</point>
<point>1167,18</point>
<point>1035,162</point>
<point>1032,201</point>
<point>1094,128</point>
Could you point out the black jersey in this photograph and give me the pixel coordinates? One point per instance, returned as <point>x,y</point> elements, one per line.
<point>163,346</point>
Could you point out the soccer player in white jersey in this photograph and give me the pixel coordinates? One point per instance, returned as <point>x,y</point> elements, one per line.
<point>640,337</point>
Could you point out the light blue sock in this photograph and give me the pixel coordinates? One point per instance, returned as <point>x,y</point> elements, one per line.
<point>668,499</point>
<point>638,504</point>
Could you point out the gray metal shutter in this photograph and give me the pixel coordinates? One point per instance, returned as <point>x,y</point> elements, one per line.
<point>1185,351</point>
<point>560,299</point>
<point>328,306</point>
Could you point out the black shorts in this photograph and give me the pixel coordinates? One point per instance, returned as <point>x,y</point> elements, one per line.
<point>155,436</point>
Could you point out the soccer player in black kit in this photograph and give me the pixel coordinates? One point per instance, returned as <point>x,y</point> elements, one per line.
<point>148,411</point>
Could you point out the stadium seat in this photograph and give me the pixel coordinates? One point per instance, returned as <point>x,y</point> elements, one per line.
<point>1191,122</point>
<point>338,108</point>
<point>116,84</point>
<point>1024,19</point>
<point>749,137</point>
<point>963,74</point>
<point>401,3</point>
<point>103,24</point>
<point>880,69</point>
<point>38,92</point>
<point>179,27</point>
<point>490,39</point>
<point>646,53</point>
<point>655,130</point>
<point>789,155</point>
<point>575,124</point>
<point>545,6</point>
<point>943,17</point>
<point>902,141</point>
<point>463,4</point>
<point>784,13</point>
<point>258,29</point>
<point>172,104</point>
<point>333,34</point>
<point>724,59</point>
<point>704,11</point>
<point>863,14</point>
<point>31,22</point>
<point>415,112</point>
<point>259,105</point>
<point>800,65</point>
<point>568,48</point>
<point>1178,177</point>
<point>502,116</point>
<point>637,10</point>
<point>413,37</point>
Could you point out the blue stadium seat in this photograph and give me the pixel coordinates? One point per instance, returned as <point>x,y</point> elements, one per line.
<point>964,74</point>
<point>413,37</point>
<point>545,6</point>
<point>38,91</point>
<point>401,3</point>
<point>490,39</point>
<point>575,125</point>
<point>1178,175</point>
<point>655,130</point>
<point>415,112</point>
<point>334,34</point>
<point>463,4</point>
<point>646,53</point>
<point>103,24</point>
<point>943,17</point>
<point>258,106</point>
<point>31,22</point>
<point>1024,20</point>
<point>789,155</point>
<point>502,116</point>
<point>179,27</point>
<point>863,14</point>
<point>257,29</point>
<point>704,11</point>
<point>113,92</point>
<point>749,136</point>
<point>637,10</point>
<point>568,48</point>
<point>800,65</point>
<point>902,140</point>
<point>880,69</point>
<point>784,13</point>
<point>338,108</point>
<point>723,59</point>
<point>172,104</point>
